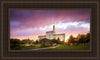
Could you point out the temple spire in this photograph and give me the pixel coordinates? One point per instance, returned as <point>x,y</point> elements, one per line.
<point>54,29</point>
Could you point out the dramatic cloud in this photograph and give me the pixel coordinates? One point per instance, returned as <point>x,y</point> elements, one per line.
<point>31,23</point>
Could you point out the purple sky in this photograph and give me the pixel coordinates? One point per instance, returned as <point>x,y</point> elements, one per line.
<point>31,23</point>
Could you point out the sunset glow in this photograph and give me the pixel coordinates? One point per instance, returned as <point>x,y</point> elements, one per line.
<point>66,39</point>
<point>30,24</point>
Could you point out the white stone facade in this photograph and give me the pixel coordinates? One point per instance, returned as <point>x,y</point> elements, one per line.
<point>53,35</point>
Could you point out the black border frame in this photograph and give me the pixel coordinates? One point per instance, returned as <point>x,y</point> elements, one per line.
<point>57,57</point>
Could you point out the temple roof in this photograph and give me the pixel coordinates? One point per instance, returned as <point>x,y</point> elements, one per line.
<point>49,32</point>
<point>57,34</point>
<point>42,36</point>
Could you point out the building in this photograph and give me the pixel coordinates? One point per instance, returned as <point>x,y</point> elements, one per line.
<point>53,35</point>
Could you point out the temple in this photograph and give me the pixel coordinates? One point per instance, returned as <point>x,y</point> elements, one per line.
<point>53,35</point>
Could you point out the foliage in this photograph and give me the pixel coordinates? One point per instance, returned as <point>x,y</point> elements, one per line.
<point>36,42</point>
<point>20,44</point>
<point>44,42</point>
<point>26,41</point>
<point>87,38</point>
<point>81,38</point>
<point>17,43</point>
<point>47,42</point>
<point>71,40</point>
<point>84,38</point>
<point>14,41</point>
<point>58,41</point>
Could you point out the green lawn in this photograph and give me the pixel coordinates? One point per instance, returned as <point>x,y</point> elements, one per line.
<point>22,47</point>
<point>72,47</point>
<point>61,47</point>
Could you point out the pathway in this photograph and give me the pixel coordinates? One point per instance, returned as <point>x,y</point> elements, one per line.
<point>45,48</point>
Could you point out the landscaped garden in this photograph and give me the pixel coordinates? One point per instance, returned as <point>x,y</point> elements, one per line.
<point>81,42</point>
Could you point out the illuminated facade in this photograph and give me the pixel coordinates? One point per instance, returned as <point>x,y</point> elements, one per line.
<point>53,35</point>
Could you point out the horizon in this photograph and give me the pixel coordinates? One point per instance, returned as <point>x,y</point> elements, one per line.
<point>29,24</point>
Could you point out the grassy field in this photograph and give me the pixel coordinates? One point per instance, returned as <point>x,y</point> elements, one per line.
<point>72,47</point>
<point>22,47</point>
<point>61,47</point>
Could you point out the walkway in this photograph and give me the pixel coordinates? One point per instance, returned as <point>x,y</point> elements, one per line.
<point>45,48</point>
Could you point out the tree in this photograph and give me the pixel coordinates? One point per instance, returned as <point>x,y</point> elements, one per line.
<point>45,42</point>
<point>87,38</point>
<point>58,41</point>
<point>26,41</point>
<point>36,42</point>
<point>82,39</point>
<point>78,37</point>
<point>71,39</point>
<point>14,41</point>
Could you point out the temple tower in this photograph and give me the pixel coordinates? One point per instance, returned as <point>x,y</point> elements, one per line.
<point>54,29</point>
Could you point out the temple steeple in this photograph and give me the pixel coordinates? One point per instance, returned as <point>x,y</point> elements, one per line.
<point>54,29</point>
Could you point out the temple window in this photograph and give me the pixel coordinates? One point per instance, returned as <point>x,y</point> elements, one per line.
<point>49,36</point>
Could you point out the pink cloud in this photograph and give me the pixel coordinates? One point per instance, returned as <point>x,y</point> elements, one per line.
<point>23,22</point>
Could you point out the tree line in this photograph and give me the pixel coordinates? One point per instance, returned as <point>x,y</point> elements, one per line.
<point>48,42</point>
<point>18,41</point>
<point>40,43</point>
<point>81,38</point>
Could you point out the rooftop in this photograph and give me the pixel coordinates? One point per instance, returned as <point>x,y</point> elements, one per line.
<point>58,34</point>
<point>49,32</point>
<point>42,36</point>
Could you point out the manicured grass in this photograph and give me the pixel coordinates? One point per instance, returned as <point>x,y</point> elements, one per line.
<point>61,47</point>
<point>22,47</point>
<point>72,47</point>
